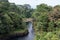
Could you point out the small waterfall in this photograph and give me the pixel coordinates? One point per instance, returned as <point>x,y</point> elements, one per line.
<point>30,36</point>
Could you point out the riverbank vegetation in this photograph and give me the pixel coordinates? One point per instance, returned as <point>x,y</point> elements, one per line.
<point>47,22</point>
<point>11,17</point>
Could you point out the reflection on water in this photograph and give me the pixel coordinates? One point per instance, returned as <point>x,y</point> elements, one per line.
<point>30,36</point>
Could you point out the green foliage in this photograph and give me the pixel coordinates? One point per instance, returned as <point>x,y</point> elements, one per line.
<point>4,6</point>
<point>10,18</point>
<point>6,24</point>
<point>48,36</point>
<point>44,8</point>
<point>47,22</point>
<point>41,17</point>
<point>51,26</point>
<point>26,10</point>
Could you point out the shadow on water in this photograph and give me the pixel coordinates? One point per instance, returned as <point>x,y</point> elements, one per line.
<point>30,36</point>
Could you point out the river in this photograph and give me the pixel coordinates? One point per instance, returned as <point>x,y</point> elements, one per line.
<point>30,36</point>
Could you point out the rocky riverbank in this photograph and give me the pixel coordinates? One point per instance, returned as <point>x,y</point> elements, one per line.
<point>14,35</point>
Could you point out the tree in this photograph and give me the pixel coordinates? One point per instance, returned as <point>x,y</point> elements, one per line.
<point>25,10</point>
<point>4,6</point>
<point>10,18</point>
<point>41,16</point>
<point>43,8</point>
